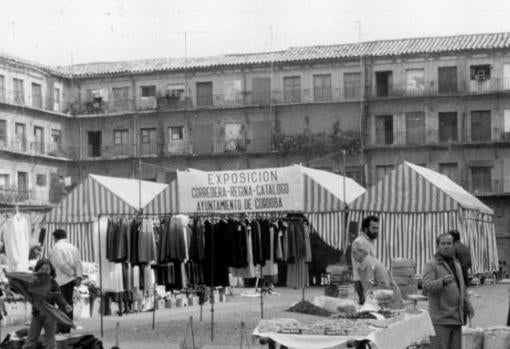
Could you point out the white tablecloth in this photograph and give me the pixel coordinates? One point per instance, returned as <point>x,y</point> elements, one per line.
<point>411,329</point>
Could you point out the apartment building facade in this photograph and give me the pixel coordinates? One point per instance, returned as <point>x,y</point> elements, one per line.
<point>439,102</point>
<point>32,126</point>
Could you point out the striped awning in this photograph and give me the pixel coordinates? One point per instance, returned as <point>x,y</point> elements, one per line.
<point>330,227</point>
<point>104,195</point>
<point>79,234</point>
<point>165,202</point>
<point>412,188</point>
<point>413,236</point>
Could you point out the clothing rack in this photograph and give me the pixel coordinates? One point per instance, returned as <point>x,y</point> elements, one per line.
<point>120,215</point>
<point>215,217</point>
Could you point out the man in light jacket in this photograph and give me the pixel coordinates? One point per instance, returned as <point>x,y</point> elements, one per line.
<point>367,237</point>
<point>444,285</point>
<point>66,260</point>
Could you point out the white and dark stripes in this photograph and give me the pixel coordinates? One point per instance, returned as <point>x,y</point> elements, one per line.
<point>79,234</point>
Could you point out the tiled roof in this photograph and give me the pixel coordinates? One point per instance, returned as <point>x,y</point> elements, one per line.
<point>27,63</point>
<point>381,48</point>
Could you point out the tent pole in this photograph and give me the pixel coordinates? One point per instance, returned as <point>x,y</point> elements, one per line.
<point>101,297</point>
<point>212,282</point>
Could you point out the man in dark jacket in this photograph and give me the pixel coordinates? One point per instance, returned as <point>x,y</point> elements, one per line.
<point>463,254</point>
<point>444,285</point>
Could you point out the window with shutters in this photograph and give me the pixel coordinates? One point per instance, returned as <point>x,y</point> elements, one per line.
<point>352,85</point>
<point>120,96</point>
<point>56,99</point>
<point>3,133</point>
<point>415,128</point>
<point>292,89</point>
<point>38,146</point>
<point>204,94</point>
<point>40,180</point>
<point>56,142</point>
<point>148,138</point>
<point>448,131</point>
<point>235,140</point>
<point>415,81</point>
<point>506,125</point>
<point>447,79</point>
<point>481,126</point>
<point>232,92</point>
<point>18,91</point>
<point>120,137</point>
<point>2,88</point>
<point>4,180</point>
<point>36,95</point>
<point>261,90</point>
<point>203,138</point>
<point>384,129</point>
<point>148,91</point>
<point>20,137</point>
<point>322,87</point>
<point>481,179</point>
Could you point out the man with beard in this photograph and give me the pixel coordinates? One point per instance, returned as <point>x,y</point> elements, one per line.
<point>444,285</point>
<point>369,232</point>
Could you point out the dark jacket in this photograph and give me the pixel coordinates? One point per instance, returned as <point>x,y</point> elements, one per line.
<point>446,303</point>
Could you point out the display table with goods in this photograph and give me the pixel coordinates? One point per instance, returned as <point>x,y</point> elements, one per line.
<point>383,328</point>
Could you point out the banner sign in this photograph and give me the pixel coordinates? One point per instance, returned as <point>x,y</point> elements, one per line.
<point>256,190</point>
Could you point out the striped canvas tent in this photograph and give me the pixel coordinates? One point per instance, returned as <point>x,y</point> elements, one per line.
<point>165,202</point>
<point>97,195</point>
<point>414,205</point>
<point>325,203</point>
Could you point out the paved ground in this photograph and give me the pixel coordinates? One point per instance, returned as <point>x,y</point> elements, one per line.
<point>491,305</point>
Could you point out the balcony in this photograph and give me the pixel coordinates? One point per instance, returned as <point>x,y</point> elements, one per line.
<point>13,195</point>
<point>100,107</point>
<point>403,138</point>
<point>35,101</point>
<point>36,148</point>
<point>151,149</point>
<point>487,187</point>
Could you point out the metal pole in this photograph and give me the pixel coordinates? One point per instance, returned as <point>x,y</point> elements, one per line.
<point>139,184</point>
<point>362,96</point>
<point>212,283</point>
<point>344,198</point>
<point>154,309</point>
<point>101,300</point>
<point>261,301</point>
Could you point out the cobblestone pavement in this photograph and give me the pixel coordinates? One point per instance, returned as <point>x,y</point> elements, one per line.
<point>491,305</point>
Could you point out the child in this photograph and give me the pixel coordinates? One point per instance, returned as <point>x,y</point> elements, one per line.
<point>41,318</point>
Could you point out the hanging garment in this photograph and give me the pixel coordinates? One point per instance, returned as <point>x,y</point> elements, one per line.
<point>197,241</point>
<point>111,272</point>
<point>249,270</point>
<point>216,250</point>
<point>297,274</point>
<point>265,241</point>
<point>270,267</point>
<point>134,242</point>
<point>236,235</point>
<point>256,243</point>
<point>15,235</point>
<point>146,243</point>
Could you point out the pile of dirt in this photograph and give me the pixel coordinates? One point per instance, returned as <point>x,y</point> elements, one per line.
<point>305,307</point>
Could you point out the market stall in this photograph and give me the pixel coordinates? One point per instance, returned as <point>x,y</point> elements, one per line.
<point>400,331</point>
<point>278,205</point>
<point>415,205</point>
<point>95,196</point>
